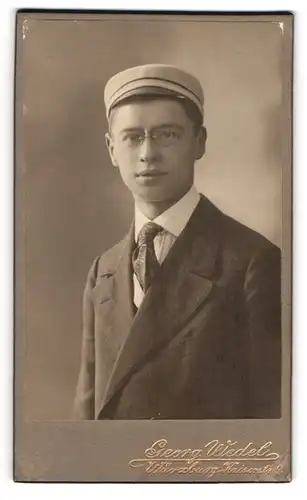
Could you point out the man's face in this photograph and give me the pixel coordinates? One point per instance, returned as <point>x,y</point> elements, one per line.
<point>155,145</point>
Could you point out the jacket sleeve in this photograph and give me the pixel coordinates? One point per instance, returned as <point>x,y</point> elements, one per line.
<point>84,403</point>
<point>263,314</point>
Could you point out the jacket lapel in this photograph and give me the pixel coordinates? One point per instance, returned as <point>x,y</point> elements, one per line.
<point>180,289</point>
<point>113,297</point>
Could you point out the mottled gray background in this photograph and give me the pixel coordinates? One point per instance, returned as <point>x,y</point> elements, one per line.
<point>74,204</point>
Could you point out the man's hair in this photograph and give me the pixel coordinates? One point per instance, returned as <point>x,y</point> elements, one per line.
<point>189,107</point>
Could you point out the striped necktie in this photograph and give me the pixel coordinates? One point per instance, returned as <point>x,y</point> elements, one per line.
<point>144,259</point>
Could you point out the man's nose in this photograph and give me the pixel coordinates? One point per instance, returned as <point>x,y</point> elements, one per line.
<point>149,152</point>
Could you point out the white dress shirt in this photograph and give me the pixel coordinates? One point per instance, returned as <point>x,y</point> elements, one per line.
<point>173,221</point>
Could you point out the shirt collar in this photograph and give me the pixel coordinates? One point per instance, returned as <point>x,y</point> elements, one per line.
<point>175,218</point>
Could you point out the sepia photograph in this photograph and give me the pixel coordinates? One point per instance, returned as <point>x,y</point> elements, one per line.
<point>152,245</point>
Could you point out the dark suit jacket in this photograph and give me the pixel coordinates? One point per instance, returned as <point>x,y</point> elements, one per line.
<point>206,341</point>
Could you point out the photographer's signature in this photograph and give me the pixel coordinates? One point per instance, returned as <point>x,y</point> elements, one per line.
<point>215,457</point>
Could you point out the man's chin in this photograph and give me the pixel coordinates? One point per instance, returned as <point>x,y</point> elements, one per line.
<point>153,194</point>
<point>159,194</point>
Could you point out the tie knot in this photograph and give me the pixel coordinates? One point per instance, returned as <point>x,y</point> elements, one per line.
<point>148,232</point>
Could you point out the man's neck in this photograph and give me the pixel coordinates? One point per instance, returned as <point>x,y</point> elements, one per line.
<point>152,209</point>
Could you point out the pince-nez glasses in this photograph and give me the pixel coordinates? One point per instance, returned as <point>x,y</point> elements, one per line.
<point>163,137</point>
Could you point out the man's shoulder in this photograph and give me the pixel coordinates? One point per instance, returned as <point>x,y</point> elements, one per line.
<point>236,237</point>
<point>107,262</point>
<point>238,233</point>
<point>110,257</point>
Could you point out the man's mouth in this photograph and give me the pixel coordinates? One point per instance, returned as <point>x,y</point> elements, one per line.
<point>150,173</point>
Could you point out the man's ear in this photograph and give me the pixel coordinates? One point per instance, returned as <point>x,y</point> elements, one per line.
<point>110,146</point>
<point>201,142</point>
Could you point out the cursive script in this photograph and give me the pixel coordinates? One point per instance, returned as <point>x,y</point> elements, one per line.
<point>159,449</point>
<point>216,449</point>
<point>215,457</point>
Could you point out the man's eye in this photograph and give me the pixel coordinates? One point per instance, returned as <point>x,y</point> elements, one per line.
<point>133,138</point>
<point>168,134</point>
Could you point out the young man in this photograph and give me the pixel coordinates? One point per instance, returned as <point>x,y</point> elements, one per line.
<point>182,318</point>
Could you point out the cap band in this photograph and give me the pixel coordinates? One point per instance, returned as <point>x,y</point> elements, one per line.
<point>152,82</point>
